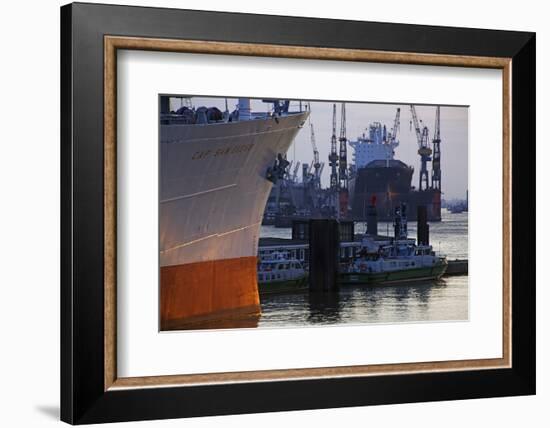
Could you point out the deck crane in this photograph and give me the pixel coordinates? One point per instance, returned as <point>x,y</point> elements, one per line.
<point>436,163</point>
<point>343,166</point>
<point>333,162</point>
<point>424,150</point>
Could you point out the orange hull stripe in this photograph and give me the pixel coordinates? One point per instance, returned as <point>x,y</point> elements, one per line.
<point>205,291</point>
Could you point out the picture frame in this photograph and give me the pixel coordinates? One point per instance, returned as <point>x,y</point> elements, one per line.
<point>91,391</point>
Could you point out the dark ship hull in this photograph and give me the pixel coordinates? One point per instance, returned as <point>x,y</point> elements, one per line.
<point>389,184</point>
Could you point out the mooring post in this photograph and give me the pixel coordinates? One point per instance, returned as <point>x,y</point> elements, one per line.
<point>372,221</point>
<point>372,217</point>
<point>324,254</point>
<point>422,226</point>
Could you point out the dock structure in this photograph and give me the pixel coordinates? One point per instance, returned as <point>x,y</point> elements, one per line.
<point>457,267</point>
<point>299,250</point>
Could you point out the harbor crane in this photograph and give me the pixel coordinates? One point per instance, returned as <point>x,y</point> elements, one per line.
<point>333,161</point>
<point>396,125</point>
<point>436,162</point>
<point>333,156</point>
<point>424,150</point>
<point>343,165</point>
<point>316,164</point>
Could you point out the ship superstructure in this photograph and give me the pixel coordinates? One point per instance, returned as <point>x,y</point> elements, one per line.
<point>216,172</point>
<point>376,144</point>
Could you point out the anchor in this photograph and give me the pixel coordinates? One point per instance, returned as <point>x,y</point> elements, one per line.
<point>278,169</point>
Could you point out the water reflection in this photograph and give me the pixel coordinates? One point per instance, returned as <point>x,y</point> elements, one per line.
<point>324,307</point>
<point>442,300</point>
<point>422,301</point>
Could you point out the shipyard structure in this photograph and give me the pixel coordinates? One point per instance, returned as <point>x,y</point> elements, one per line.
<point>374,178</point>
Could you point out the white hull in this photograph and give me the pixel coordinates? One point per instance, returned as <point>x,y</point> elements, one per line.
<point>213,188</point>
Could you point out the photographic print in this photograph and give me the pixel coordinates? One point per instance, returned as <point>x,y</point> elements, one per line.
<point>293,213</point>
<point>236,215</point>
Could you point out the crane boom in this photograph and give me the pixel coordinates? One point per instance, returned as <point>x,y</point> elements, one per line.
<point>437,132</point>
<point>316,165</point>
<point>396,124</point>
<point>416,125</point>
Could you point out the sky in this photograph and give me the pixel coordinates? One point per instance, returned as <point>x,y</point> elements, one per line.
<point>454,135</point>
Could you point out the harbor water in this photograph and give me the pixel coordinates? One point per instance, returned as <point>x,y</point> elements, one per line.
<point>442,300</point>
